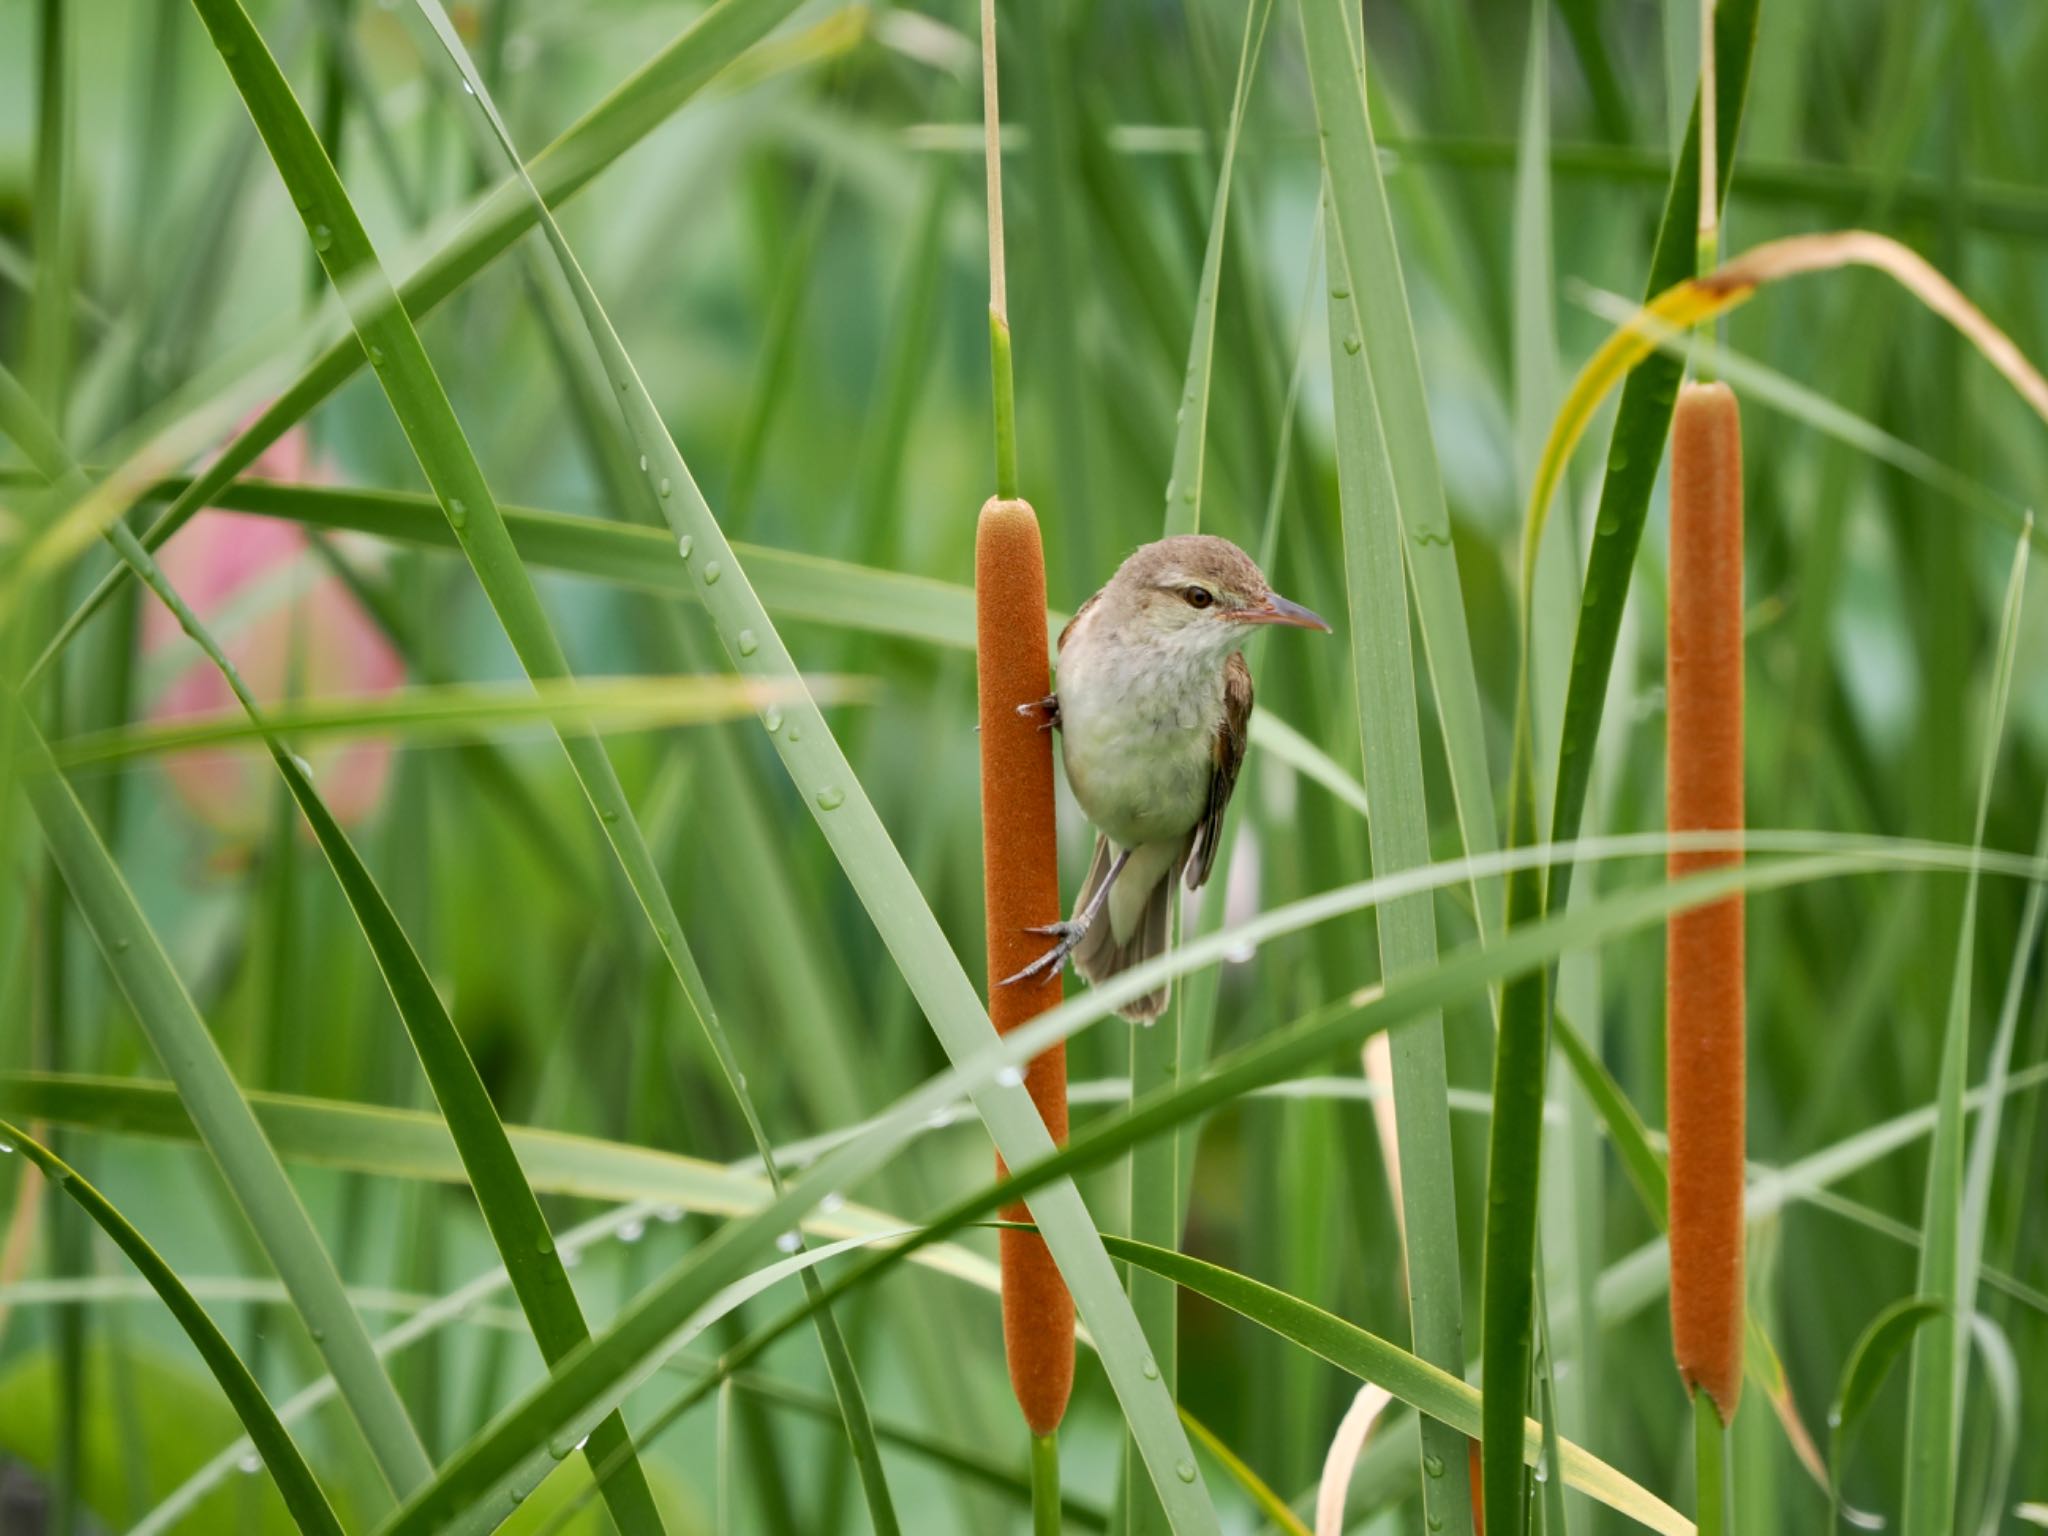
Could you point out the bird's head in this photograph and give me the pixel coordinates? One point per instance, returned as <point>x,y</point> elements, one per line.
<point>1199,592</point>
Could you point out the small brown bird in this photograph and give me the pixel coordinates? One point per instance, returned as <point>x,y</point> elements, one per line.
<point>1154,703</point>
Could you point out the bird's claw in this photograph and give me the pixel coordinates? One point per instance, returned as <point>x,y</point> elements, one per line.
<point>1049,963</point>
<point>1046,709</point>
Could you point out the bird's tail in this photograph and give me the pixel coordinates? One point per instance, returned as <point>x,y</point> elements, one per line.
<point>1101,955</point>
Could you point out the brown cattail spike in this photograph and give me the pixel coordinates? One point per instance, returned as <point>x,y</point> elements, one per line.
<point>1021,877</point>
<point>1704,969</point>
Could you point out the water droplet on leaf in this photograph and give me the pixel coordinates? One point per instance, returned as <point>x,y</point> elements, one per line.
<point>684,545</point>
<point>789,1242</point>
<point>773,720</point>
<point>1011,1077</point>
<point>831,797</point>
<point>746,643</point>
<point>1184,1470</point>
<point>711,573</point>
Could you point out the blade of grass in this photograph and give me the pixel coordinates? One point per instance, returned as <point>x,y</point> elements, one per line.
<point>1384,680</point>
<point>295,1481</point>
<point>229,1128</point>
<point>1156,1203</point>
<point>1939,1366</point>
<point>821,771</point>
<point>453,712</point>
<point>411,1144</point>
<point>1876,1351</point>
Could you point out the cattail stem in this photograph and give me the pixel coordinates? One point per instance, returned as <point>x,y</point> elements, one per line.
<point>1004,390</point>
<point>1713,1469</point>
<point>1045,1485</point>
<point>1020,854</point>
<point>1708,254</point>
<point>1704,947</point>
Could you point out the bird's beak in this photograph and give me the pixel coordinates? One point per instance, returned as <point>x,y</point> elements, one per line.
<point>1279,610</point>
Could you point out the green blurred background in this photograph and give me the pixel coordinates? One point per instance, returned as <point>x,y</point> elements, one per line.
<point>796,263</point>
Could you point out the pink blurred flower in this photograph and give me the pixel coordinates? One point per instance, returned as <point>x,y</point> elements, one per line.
<point>277,610</point>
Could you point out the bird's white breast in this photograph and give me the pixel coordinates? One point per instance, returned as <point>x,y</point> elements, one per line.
<point>1137,728</point>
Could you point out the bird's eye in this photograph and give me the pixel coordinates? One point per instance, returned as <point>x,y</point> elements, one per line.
<point>1198,597</point>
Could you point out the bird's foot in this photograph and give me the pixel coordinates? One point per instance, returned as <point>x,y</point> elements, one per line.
<point>1068,934</point>
<point>1045,710</point>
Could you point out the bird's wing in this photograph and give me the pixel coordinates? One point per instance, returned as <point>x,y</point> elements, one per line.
<point>1061,644</point>
<point>1227,756</point>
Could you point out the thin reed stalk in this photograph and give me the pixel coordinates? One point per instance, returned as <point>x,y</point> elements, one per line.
<point>1704,947</point>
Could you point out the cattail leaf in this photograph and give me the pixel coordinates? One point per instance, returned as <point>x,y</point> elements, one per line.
<point>287,1466</point>
<point>1947,1272</point>
<point>452,712</point>
<point>143,972</point>
<point>1870,1361</point>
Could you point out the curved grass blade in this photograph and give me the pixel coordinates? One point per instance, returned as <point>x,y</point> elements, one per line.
<point>1767,386</point>
<point>633,110</point>
<point>1871,1360</point>
<point>451,712</point>
<point>1947,1273</point>
<point>2002,1373</point>
<point>413,1144</point>
<point>1435,1393</point>
<point>225,1122</point>
<point>295,1480</point>
<point>815,761</point>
